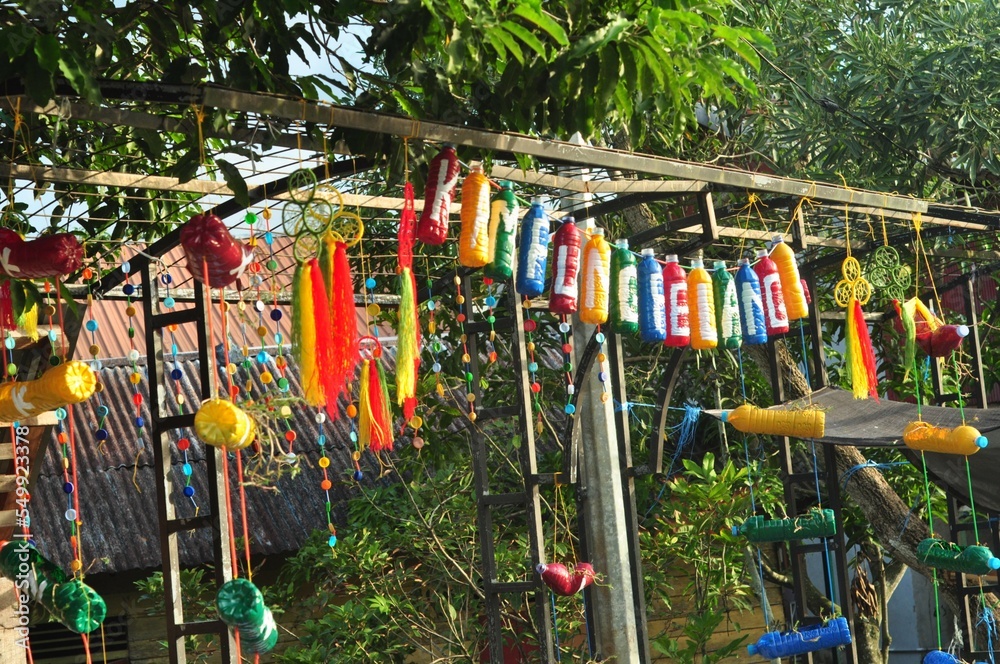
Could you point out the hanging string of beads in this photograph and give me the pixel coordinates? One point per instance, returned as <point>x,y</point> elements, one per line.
<point>470,396</point>
<point>100,432</point>
<point>135,377</point>
<point>435,344</point>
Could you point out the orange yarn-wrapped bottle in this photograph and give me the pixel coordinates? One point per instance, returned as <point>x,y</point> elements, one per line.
<point>474,240</point>
<point>701,303</point>
<point>796,305</point>
<point>595,281</point>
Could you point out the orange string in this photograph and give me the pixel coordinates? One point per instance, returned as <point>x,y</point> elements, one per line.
<point>243,510</point>
<point>211,332</point>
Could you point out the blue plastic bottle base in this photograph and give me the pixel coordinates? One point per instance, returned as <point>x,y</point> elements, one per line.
<point>752,649</point>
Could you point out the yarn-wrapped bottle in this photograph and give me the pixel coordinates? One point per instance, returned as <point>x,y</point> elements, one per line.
<point>623,311</point>
<point>796,305</point>
<point>533,251</point>
<point>474,238</point>
<point>701,301</point>
<point>442,177</point>
<point>565,267</point>
<point>504,212</point>
<point>675,292</point>
<point>596,282</point>
<point>752,324</point>
<point>775,316</point>
<point>727,307</point>
<point>652,305</point>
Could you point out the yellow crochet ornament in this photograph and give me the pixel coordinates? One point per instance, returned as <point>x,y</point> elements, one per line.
<point>809,423</point>
<point>221,424</point>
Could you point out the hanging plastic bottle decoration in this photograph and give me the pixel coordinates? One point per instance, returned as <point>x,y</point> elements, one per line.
<point>727,307</point>
<point>775,316</point>
<point>566,267</point>
<point>675,292</point>
<point>596,283</point>
<point>777,645</point>
<point>704,335</point>
<point>442,178</point>
<point>504,212</point>
<point>408,330</point>
<point>752,323</point>
<point>474,239</point>
<point>54,255</point>
<point>533,252</point>
<point>796,305</point>
<point>207,242</point>
<point>624,308</point>
<point>652,302</point>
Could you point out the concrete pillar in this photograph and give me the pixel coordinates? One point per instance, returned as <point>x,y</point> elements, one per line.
<point>600,477</point>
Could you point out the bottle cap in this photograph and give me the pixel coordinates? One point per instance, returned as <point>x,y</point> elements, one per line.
<point>506,184</point>
<point>777,239</point>
<point>476,167</point>
<point>982,442</point>
<point>622,243</point>
<point>648,251</point>
<point>761,253</point>
<point>994,563</point>
<point>752,649</point>
<point>744,261</point>
<point>568,219</point>
<point>697,262</point>
<point>719,265</point>
<point>671,258</point>
<point>599,232</point>
<point>962,330</point>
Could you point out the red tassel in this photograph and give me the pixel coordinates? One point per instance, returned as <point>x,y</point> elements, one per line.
<point>867,352</point>
<point>6,308</point>
<point>381,433</point>
<point>326,344</point>
<point>344,324</point>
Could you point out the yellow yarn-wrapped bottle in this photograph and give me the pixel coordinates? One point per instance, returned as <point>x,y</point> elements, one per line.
<point>474,240</point>
<point>809,423</point>
<point>221,423</point>
<point>67,383</point>
<point>595,282</point>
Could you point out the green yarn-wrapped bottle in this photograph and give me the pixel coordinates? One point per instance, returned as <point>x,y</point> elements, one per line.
<point>623,314</point>
<point>241,606</point>
<point>504,212</point>
<point>727,307</point>
<point>952,557</point>
<point>818,523</point>
<point>71,602</point>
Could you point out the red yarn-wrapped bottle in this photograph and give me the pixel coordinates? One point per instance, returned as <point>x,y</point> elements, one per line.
<point>775,316</point>
<point>675,292</point>
<point>566,244</point>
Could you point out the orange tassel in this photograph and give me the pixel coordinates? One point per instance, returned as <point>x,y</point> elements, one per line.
<point>344,326</point>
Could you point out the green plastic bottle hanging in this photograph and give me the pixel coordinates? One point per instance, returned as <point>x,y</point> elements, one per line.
<point>624,310</point>
<point>727,308</point>
<point>504,212</point>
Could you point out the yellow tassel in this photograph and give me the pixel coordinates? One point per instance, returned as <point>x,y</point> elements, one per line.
<point>365,415</point>
<point>810,423</point>
<point>28,322</point>
<point>964,440</point>
<point>855,356</point>
<point>407,353</point>
<point>312,386</point>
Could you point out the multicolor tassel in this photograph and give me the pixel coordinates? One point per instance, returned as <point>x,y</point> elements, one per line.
<point>343,323</point>
<point>327,343</point>
<point>408,330</point>
<point>374,420</point>
<point>860,354</point>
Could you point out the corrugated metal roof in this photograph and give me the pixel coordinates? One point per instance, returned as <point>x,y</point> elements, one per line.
<point>120,530</point>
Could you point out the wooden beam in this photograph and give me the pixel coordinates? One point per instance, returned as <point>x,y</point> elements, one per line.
<point>596,186</point>
<point>340,116</point>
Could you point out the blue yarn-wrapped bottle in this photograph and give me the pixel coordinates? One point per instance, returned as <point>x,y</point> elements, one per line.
<point>652,306</point>
<point>748,291</point>
<point>774,645</point>
<point>533,252</point>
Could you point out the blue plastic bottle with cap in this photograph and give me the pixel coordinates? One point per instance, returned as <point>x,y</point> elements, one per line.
<point>774,645</point>
<point>652,306</point>
<point>748,294</point>
<point>533,252</point>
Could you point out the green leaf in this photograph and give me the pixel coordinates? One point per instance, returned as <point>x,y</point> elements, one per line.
<point>543,21</point>
<point>47,51</point>
<point>79,77</point>
<point>734,40</point>
<point>600,37</point>
<point>235,181</point>
<point>37,81</point>
<point>607,80</point>
<point>507,40</point>
<point>522,33</point>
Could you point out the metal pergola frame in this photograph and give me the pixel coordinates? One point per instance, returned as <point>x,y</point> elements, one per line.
<point>162,108</point>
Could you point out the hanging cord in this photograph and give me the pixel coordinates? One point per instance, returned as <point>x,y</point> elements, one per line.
<point>930,524</point>
<point>987,621</point>
<point>866,465</point>
<point>764,604</point>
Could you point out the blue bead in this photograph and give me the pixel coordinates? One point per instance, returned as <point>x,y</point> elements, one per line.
<point>532,367</point>
<point>436,367</point>
<point>358,475</point>
<point>278,337</point>
<point>126,267</point>
<point>431,305</point>
<point>101,434</point>
<point>139,421</point>
<point>354,436</point>
<point>599,337</point>
<point>268,238</point>
<point>68,487</point>
<point>333,541</point>
<point>9,342</point>
<point>168,302</point>
<point>166,279</point>
<point>186,469</point>
<point>491,301</point>
<point>173,349</point>
<point>176,374</point>
<point>61,413</point>
<point>103,411</point>
<point>128,289</point>
<point>602,376</point>
<point>52,335</point>
<point>189,491</point>
<point>321,440</point>
<point>91,326</point>
<point>262,357</point>
<point>276,315</point>
<point>570,409</point>
<point>369,283</point>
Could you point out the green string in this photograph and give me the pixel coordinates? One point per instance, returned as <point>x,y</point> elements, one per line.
<point>930,524</point>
